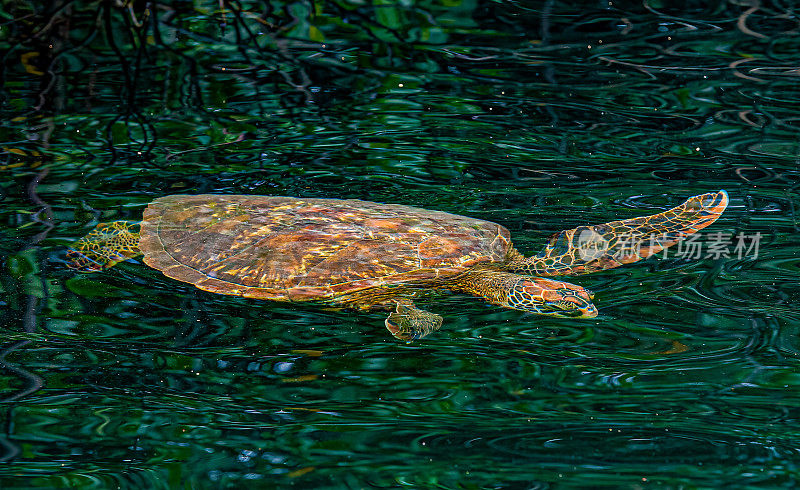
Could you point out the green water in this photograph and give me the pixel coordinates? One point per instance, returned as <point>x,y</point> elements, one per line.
<point>537,115</point>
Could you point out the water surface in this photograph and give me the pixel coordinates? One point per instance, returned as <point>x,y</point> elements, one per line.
<point>540,116</point>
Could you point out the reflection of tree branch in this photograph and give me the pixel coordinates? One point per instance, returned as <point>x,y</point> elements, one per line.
<point>204,148</point>
<point>128,4</point>
<point>55,50</point>
<point>194,83</point>
<point>10,450</point>
<point>44,208</point>
<point>742,23</point>
<point>54,15</point>
<point>644,68</point>
<point>34,382</point>
<point>130,75</point>
<point>465,57</point>
<point>302,88</point>
<point>739,74</point>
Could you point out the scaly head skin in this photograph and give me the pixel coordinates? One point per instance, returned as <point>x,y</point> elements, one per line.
<point>527,293</point>
<point>549,297</point>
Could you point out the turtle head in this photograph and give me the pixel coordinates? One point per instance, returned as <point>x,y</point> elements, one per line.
<point>548,297</point>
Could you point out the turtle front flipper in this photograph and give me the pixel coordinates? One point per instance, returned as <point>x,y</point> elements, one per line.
<point>410,323</point>
<point>592,248</point>
<point>106,245</point>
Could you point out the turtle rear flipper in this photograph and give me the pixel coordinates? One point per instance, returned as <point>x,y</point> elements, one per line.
<point>411,323</point>
<point>597,247</point>
<point>106,245</point>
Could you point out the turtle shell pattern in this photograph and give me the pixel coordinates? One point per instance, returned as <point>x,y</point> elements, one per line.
<point>285,248</point>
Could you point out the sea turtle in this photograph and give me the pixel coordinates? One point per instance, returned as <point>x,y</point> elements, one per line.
<point>351,253</point>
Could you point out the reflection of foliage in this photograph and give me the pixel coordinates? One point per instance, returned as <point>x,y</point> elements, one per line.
<point>189,85</point>
<point>159,60</point>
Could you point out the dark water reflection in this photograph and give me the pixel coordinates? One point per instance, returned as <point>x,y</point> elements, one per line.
<point>509,111</point>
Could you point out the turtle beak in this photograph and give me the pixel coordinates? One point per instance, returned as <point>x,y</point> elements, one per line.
<point>572,310</point>
<point>549,297</point>
<point>574,302</point>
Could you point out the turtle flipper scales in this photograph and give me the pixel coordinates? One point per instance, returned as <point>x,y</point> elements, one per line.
<point>592,248</point>
<point>104,247</point>
<point>410,323</point>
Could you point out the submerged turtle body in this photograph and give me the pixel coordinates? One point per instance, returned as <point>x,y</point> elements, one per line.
<point>284,248</point>
<point>369,255</point>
